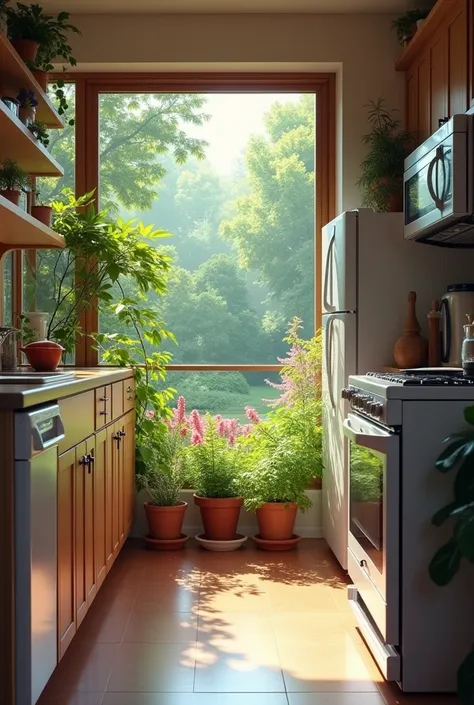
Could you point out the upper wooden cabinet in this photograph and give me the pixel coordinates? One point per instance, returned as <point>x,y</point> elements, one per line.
<point>436,64</point>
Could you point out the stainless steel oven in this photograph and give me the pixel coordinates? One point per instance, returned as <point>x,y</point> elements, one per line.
<point>438,198</point>
<point>374,522</point>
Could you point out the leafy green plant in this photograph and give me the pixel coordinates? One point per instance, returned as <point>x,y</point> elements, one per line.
<point>382,169</point>
<point>39,130</point>
<point>446,562</point>
<point>284,452</point>
<point>405,26</point>
<point>212,459</point>
<point>12,176</point>
<point>51,32</point>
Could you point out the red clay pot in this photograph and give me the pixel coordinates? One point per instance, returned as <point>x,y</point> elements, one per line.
<point>13,196</point>
<point>42,78</point>
<point>165,523</point>
<point>43,355</point>
<point>43,214</point>
<point>276,520</point>
<point>27,49</point>
<point>219,516</point>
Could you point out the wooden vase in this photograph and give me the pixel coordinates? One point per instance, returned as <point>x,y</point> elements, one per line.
<point>411,350</point>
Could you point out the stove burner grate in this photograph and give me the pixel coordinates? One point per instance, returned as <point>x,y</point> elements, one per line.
<point>416,379</point>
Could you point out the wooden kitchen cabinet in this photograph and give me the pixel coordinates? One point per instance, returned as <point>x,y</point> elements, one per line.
<point>67,624</point>
<point>436,65</point>
<point>84,528</point>
<point>100,507</point>
<point>128,451</point>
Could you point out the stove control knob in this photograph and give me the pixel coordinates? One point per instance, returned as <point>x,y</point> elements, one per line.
<point>378,411</point>
<point>346,394</point>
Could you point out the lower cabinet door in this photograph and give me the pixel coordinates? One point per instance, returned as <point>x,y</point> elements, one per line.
<point>80,500</point>
<point>66,563</point>
<point>100,507</point>
<point>128,450</point>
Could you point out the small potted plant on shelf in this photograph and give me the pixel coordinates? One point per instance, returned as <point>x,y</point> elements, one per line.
<point>407,25</point>
<point>162,476</point>
<point>40,132</point>
<point>42,211</point>
<point>213,468</point>
<point>13,180</point>
<point>284,451</point>
<point>28,104</point>
<point>382,169</point>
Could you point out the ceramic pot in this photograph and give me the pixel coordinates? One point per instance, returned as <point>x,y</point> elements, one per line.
<point>276,520</point>
<point>27,49</point>
<point>41,78</point>
<point>165,523</point>
<point>37,323</point>
<point>43,355</point>
<point>219,517</point>
<point>10,195</point>
<point>43,214</point>
<point>27,115</point>
<point>394,199</point>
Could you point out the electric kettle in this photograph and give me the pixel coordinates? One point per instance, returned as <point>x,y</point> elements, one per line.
<point>455,305</point>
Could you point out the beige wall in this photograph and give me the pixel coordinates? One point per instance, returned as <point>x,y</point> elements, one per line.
<point>360,48</point>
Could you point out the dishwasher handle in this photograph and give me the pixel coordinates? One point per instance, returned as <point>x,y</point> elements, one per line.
<point>37,430</point>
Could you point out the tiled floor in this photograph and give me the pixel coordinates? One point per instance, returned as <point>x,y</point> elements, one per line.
<point>243,628</point>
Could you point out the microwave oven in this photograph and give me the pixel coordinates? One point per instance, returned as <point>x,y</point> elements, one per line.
<point>438,186</point>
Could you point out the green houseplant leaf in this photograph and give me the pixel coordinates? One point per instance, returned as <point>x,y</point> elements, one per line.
<point>445,563</point>
<point>466,680</point>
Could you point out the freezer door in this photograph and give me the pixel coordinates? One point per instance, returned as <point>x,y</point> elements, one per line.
<point>339,340</point>
<point>339,265</point>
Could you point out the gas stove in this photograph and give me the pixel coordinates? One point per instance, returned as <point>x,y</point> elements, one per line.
<point>379,395</point>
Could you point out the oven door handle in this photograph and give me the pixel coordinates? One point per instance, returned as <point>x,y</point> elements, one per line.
<point>375,442</point>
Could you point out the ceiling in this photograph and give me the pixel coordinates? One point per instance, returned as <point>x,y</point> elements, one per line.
<point>225,6</point>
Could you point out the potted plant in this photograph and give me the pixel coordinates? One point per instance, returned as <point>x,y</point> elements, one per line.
<point>163,476</point>
<point>284,451</point>
<point>40,132</point>
<point>382,169</point>
<point>212,460</point>
<point>42,211</point>
<point>3,16</point>
<point>28,104</point>
<point>406,25</point>
<point>13,179</point>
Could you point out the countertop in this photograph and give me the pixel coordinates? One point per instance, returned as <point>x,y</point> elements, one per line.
<point>23,396</point>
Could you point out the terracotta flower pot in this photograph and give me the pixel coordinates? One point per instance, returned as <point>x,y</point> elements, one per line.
<point>27,115</point>
<point>394,199</point>
<point>43,214</point>
<point>43,355</point>
<point>42,78</point>
<point>10,195</point>
<point>276,520</point>
<point>219,517</point>
<point>165,523</point>
<point>27,49</point>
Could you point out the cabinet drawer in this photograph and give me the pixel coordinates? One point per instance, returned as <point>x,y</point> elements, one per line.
<point>103,406</point>
<point>77,414</point>
<point>128,394</point>
<point>117,400</point>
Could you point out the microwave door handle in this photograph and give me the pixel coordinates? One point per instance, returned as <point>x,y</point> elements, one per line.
<point>380,444</point>
<point>328,305</point>
<point>446,339</point>
<point>434,193</point>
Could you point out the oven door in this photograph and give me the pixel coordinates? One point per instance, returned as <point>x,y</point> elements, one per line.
<point>374,496</point>
<point>435,187</point>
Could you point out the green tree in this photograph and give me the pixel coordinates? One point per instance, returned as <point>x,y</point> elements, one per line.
<point>273,229</point>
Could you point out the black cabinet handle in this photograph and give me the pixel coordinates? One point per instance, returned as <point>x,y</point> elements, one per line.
<point>129,389</point>
<point>104,398</point>
<point>117,438</point>
<point>122,434</point>
<point>85,460</point>
<point>104,413</point>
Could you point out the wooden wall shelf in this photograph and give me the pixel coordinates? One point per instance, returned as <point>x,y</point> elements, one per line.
<point>19,230</point>
<point>14,72</point>
<point>434,19</point>
<point>17,142</point>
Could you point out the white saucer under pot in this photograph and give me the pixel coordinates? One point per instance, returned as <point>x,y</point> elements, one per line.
<point>220,546</point>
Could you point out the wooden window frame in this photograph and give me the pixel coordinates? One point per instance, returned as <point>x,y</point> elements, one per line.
<point>89,86</point>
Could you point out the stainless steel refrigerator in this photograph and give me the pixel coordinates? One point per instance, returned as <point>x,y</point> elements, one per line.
<point>368,269</point>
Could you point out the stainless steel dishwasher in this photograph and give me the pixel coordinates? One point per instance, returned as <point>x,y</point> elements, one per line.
<point>37,434</point>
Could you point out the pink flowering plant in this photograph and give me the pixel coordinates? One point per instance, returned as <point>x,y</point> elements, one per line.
<point>283,453</point>
<point>214,455</point>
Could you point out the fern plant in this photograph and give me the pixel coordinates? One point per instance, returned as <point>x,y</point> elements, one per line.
<point>388,145</point>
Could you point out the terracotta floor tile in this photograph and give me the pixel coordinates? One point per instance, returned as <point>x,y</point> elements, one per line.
<point>327,666</point>
<point>195,699</point>
<point>86,667</point>
<point>335,699</point>
<point>145,624</point>
<point>103,626</point>
<point>306,627</point>
<point>240,669</point>
<point>154,668</point>
<point>178,599</point>
<point>230,627</point>
<point>71,699</point>
<point>296,598</point>
<point>393,696</point>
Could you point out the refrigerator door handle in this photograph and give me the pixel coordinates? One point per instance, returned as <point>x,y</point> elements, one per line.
<point>328,272</point>
<point>329,332</point>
